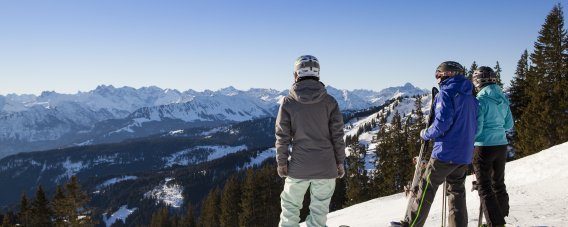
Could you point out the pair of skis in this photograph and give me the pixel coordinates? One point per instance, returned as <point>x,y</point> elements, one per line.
<point>411,189</point>
<point>420,163</point>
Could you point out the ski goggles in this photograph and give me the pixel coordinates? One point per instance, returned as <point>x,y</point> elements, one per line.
<point>439,74</point>
<point>307,64</point>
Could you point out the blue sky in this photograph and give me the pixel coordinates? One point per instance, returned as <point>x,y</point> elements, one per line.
<point>68,46</point>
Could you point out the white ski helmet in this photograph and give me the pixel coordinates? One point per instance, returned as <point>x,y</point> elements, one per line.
<point>483,76</point>
<point>307,65</point>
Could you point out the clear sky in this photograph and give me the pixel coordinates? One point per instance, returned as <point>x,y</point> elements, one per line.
<point>68,45</point>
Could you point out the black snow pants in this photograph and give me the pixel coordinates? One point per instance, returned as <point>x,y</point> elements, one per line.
<point>489,166</point>
<point>436,173</point>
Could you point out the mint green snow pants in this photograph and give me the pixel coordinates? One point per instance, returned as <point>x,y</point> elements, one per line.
<point>292,198</point>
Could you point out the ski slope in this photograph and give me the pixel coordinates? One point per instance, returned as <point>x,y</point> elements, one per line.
<point>537,187</point>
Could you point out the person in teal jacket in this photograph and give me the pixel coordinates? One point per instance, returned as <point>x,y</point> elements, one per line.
<point>490,150</point>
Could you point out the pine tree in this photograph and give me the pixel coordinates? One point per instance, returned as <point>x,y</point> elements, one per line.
<point>24,213</point>
<point>544,121</point>
<point>40,211</point>
<point>249,201</point>
<point>418,123</point>
<point>392,157</point>
<point>356,178</point>
<point>518,91</point>
<point>161,218</point>
<point>471,70</point>
<point>402,157</point>
<point>409,147</point>
<point>498,73</point>
<point>61,207</point>
<point>230,203</point>
<point>119,223</point>
<point>175,221</point>
<point>381,180</point>
<point>6,221</point>
<point>75,204</point>
<point>210,210</point>
<point>270,187</point>
<point>189,218</point>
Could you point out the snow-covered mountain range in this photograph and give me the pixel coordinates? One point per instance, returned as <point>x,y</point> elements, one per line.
<point>109,114</point>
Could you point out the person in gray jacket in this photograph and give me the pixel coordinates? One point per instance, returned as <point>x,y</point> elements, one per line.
<point>310,149</point>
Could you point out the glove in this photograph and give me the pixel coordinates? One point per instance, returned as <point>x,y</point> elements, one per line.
<point>282,171</point>
<point>423,135</point>
<point>340,170</point>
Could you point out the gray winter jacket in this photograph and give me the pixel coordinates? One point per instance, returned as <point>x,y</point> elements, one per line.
<point>310,121</point>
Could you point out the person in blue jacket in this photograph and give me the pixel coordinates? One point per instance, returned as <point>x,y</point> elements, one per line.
<point>490,152</point>
<point>453,131</point>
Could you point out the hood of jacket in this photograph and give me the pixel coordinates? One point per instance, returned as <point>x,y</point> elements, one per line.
<point>308,91</point>
<point>494,93</point>
<point>458,84</point>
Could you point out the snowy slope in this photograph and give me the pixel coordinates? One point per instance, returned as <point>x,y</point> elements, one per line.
<point>404,107</point>
<point>536,185</point>
<point>120,214</point>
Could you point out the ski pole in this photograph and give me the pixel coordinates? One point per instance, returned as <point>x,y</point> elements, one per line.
<point>444,204</point>
<point>480,219</point>
<point>480,215</point>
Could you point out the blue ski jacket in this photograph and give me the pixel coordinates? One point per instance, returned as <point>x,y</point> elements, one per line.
<point>493,118</point>
<point>455,122</point>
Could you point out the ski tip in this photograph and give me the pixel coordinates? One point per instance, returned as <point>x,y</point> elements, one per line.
<point>395,224</point>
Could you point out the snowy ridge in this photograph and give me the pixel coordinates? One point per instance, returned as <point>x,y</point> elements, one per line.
<point>115,180</point>
<point>404,107</point>
<point>537,191</point>
<point>181,157</point>
<point>66,167</point>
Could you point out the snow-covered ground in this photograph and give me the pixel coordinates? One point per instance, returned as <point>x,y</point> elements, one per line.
<point>170,194</point>
<point>121,213</point>
<point>537,187</point>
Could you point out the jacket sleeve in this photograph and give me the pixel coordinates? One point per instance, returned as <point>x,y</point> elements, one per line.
<point>480,118</point>
<point>444,117</point>
<point>508,120</point>
<point>283,135</point>
<point>336,132</point>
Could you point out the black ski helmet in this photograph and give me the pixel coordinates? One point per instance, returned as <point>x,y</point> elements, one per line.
<point>483,76</point>
<point>449,69</point>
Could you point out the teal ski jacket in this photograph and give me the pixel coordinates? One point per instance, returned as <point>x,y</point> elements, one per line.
<point>493,117</point>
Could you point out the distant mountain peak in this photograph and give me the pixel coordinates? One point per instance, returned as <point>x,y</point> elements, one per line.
<point>46,94</point>
<point>104,87</point>
<point>229,91</point>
